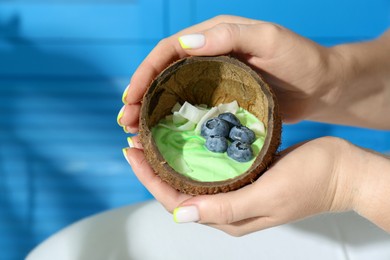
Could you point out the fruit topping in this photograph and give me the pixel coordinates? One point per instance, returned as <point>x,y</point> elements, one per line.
<point>217,144</point>
<point>243,134</point>
<point>239,151</point>
<point>215,126</point>
<point>225,133</point>
<point>230,118</point>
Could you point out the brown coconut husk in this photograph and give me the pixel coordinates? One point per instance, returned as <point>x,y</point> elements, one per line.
<point>211,81</point>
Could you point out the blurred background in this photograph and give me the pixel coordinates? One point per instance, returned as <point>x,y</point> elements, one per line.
<point>63,67</point>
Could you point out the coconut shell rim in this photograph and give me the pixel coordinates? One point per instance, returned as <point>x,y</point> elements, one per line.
<point>193,187</point>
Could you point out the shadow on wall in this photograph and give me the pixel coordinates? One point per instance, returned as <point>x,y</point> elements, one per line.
<point>60,152</point>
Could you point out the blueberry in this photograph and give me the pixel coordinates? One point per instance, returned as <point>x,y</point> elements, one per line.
<point>243,134</point>
<point>241,152</point>
<point>230,118</point>
<point>215,126</point>
<point>217,144</point>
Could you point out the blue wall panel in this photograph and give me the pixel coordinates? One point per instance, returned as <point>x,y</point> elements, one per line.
<point>315,19</point>
<point>181,14</point>
<point>78,60</point>
<point>63,67</point>
<point>75,20</point>
<point>60,156</point>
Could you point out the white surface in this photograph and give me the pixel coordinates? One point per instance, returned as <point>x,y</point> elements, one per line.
<point>146,231</point>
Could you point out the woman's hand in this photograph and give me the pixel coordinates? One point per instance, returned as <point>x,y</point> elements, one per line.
<point>310,82</point>
<point>324,175</point>
<point>298,69</point>
<point>306,180</point>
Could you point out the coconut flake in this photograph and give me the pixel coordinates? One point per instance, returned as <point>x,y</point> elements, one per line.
<point>169,117</point>
<point>191,112</point>
<point>188,116</point>
<point>213,112</point>
<point>178,119</point>
<point>231,107</point>
<point>176,107</point>
<point>202,106</point>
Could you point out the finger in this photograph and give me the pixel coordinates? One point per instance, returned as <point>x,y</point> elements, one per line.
<point>131,129</point>
<point>250,39</point>
<point>130,115</point>
<point>164,193</point>
<point>227,208</point>
<point>246,226</point>
<point>166,52</point>
<point>217,20</point>
<point>134,142</point>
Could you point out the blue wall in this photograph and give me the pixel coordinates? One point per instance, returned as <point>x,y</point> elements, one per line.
<point>63,67</point>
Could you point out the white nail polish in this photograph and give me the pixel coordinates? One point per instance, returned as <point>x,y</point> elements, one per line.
<point>120,115</point>
<point>186,214</point>
<point>130,142</point>
<point>124,151</point>
<point>192,41</point>
<point>124,95</point>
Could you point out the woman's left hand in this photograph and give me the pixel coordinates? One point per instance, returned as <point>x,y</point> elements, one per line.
<point>306,180</point>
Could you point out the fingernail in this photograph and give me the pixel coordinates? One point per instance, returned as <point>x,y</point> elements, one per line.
<point>120,114</point>
<point>192,41</point>
<point>130,142</point>
<point>124,95</point>
<point>124,151</point>
<point>186,214</point>
<point>125,129</point>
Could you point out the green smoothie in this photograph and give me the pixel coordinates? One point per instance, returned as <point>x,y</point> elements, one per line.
<point>185,151</point>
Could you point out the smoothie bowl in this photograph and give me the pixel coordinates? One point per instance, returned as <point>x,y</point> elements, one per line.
<point>195,121</point>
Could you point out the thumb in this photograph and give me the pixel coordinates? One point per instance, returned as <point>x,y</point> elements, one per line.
<point>222,208</point>
<point>224,38</point>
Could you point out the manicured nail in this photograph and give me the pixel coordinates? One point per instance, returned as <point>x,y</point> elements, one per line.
<point>192,41</point>
<point>120,115</point>
<point>124,95</point>
<point>125,129</point>
<point>124,151</point>
<point>186,214</point>
<point>130,142</point>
